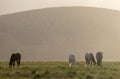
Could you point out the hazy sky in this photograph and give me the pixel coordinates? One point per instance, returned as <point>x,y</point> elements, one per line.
<point>11,6</point>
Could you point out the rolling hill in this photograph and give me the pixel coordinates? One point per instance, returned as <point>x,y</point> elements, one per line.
<point>52,34</point>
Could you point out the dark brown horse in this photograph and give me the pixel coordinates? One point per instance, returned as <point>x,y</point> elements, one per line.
<point>15,58</point>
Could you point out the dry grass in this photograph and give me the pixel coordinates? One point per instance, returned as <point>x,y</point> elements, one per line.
<point>60,70</point>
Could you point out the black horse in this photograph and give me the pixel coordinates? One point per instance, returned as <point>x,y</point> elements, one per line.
<point>89,57</point>
<point>15,58</point>
<point>99,57</point>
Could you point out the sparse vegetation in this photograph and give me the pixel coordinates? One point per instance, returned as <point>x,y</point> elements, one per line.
<point>60,70</point>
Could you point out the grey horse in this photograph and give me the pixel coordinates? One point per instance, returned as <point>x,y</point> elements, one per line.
<point>89,57</point>
<point>99,57</point>
<point>72,59</point>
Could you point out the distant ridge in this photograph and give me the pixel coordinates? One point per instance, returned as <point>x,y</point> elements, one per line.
<point>59,7</point>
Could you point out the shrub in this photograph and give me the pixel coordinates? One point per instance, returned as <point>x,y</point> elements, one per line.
<point>83,73</point>
<point>71,73</point>
<point>33,72</point>
<point>37,76</point>
<point>46,72</point>
<point>89,77</point>
<point>61,67</point>
<point>110,77</point>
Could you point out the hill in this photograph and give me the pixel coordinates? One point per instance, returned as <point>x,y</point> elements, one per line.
<point>53,33</point>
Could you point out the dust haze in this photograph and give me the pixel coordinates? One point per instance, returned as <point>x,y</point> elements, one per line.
<point>52,34</point>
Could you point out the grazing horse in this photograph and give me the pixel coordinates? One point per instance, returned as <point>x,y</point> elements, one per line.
<point>89,59</point>
<point>99,57</point>
<point>15,57</point>
<point>72,59</point>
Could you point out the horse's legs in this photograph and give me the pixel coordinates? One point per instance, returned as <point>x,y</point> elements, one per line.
<point>13,63</point>
<point>18,63</point>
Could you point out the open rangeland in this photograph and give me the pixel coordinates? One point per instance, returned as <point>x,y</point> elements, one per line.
<point>60,70</point>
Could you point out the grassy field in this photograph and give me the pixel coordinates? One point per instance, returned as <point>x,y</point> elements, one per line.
<point>60,70</point>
